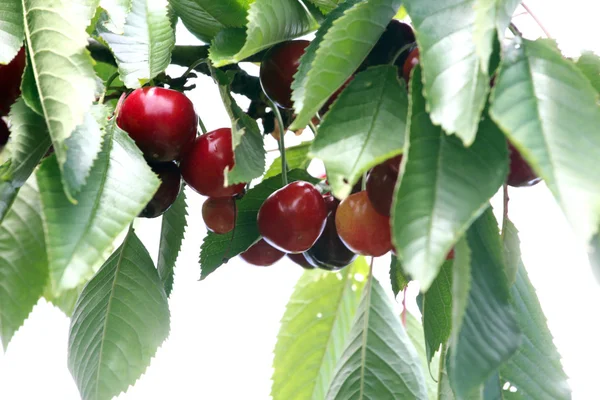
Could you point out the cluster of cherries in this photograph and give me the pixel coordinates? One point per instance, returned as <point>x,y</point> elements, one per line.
<point>10,89</point>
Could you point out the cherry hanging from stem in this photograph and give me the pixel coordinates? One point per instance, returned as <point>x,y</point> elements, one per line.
<point>283,128</point>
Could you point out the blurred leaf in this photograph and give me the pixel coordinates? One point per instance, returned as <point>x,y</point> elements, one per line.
<point>11,29</point>
<point>326,6</point>
<point>24,264</point>
<point>550,113</point>
<point>296,158</point>
<point>343,42</point>
<point>120,320</point>
<point>364,127</point>
<point>117,11</point>
<point>589,64</point>
<point>444,188</point>
<point>269,22</point>
<point>314,330</point>
<point>437,311</point>
<point>65,301</point>
<point>512,250</point>
<point>397,277</point>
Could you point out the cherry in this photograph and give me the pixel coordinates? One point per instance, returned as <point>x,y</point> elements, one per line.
<point>362,229</point>
<point>381,182</point>
<point>397,35</point>
<point>168,191</point>
<point>203,167</point>
<point>4,132</point>
<point>300,260</point>
<point>520,174</point>
<point>278,68</point>
<point>292,218</point>
<point>450,255</point>
<point>10,81</point>
<point>162,122</point>
<point>262,254</point>
<point>329,252</point>
<point>219,214</point>
<point>410,63</point>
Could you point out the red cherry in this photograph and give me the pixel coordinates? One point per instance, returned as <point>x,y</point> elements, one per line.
<point>381,182</point>
<point>300,260</point>
<point>168,191</point>
<point>4,132</point>
<point>520,174</point>
<point>219,214</point>
<point>278,68</point>
<point>410,63</point>
<point>396,35</point>
<point>262,254</point>
<point>329,252</point>
<point>10,81</point>
<point>362,229</point>
<point>203,167</point>
<point>450,255</point>
<point>162,122</point>
<point>293,218</point>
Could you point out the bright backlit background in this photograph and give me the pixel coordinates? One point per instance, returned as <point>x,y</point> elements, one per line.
<point>223,330</point>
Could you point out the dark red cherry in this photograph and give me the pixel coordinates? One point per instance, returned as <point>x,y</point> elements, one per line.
<point>168,191</point>
<point>450,255</point>
<point>278,68</point>
<point>397,35</point>
<point>329,252</point>
<point>410,63</point>
<point>293,218</point>
<point>10,81</point>
<point>362,229</point>
<point>381,182</point>
<point>262,254</point>
<point>219,214</point>
<point>4,132</point>
<point>162,122</point>
<point>300,260</point>
<point>203,167</point>
<point>520,174</point>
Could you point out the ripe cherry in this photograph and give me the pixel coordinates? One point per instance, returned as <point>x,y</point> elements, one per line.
<point>293,218</point>
<point>410,63</point>
<point>380,185</point>
<point>362,229</point>
<point>520,174</point>
<point>4,132</point>
<point>262,254</point>
<point>168,191</point>
<point>219,214</point>
<point>396,35</point>
<point>300,260</point>
<point>329,252</point>
<point>10,81</point>
<point>203,167</point>
<point>278,68</point>
<point>162,122</point>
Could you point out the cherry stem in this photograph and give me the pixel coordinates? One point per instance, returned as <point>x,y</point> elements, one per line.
<point>313,128</point>
<point>107,87</point>
<point>536,19</point>
<point>404,307</point>
<point>283,129</point>
<point>228,249</point>
<point>364,181</point>
<point>399,52</point>
<point>515,31</point>
<point>193,67</point>
<point>202,126</point>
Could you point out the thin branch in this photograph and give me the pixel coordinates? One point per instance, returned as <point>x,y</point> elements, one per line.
<point>537,20</point>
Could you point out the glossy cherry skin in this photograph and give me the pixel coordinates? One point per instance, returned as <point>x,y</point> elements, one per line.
<point>262,254</point>
<point>168,191</point>
<point>410,63</point>
<point>10,81</point>
<point>203,167</point>
<point>521,174</point>
<point>300,260</point>
<point>396,35</point>
<point>278,68</point>
<point>381,182</point>
<point>362,229</point>
<point>162,122</point>
<point>4,132</point>
<point>219,214</point>
<point>292,218</point>
<point>329,252</point>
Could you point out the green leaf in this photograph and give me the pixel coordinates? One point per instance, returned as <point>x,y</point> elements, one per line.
<point>23,265</point>
<point>594,256</point>
<point>117,11</point>
<point>296,158</point>
<point>452,46</point>
<point>364,127</point>
<point>120,320</point>
<point>550,113</point>
<point>535,370</point>
<point>347,36</point>
<point>269,22</point>
<point>78,235</point>
<point>444,188</point>
<point>461,284</point>
<point>380,361</point>
<point>314,330</point>
<point>414,329</point>
<point>218,249</point>
<point>326,6</point>
<point>65,301</point>
<point>205,18</point>
<point>172,231</point>
<point>144,49</point>
<point>589,64</point>
<point>11,29</point>
<point>489,334</point>
<point>397,277</point>
<point>29,142</point>
<point>512,250</point>
<point>437,311</point>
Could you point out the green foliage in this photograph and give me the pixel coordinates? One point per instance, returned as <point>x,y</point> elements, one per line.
<point>296,158</point>
<point>116,11</point>
<point>512,250</point>
<point>397,277</point>
<point>589,64</point>
<point>120,320</point>
<point>326,6</point>
<point>364,127</point>
<point>414,329</point>
<point>437,311</point>
<point>314,330</point>
<point>11,29</point>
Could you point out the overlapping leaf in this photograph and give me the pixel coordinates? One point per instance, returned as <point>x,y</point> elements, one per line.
<point>120,320</point>
<point>589,64</point>
<point>326,5</point>
<point>414,329</point>
<point>437,311</point>
<point>314,330</point>
<point>512,250</point>
<point>116,11</point>
<point>444,188</point>
<point>11,29</point>
<point>398,279</point>
<point>296,158</point>
<point>365,127</point>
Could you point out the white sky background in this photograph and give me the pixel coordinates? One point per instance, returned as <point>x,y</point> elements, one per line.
<point>223,330</point>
